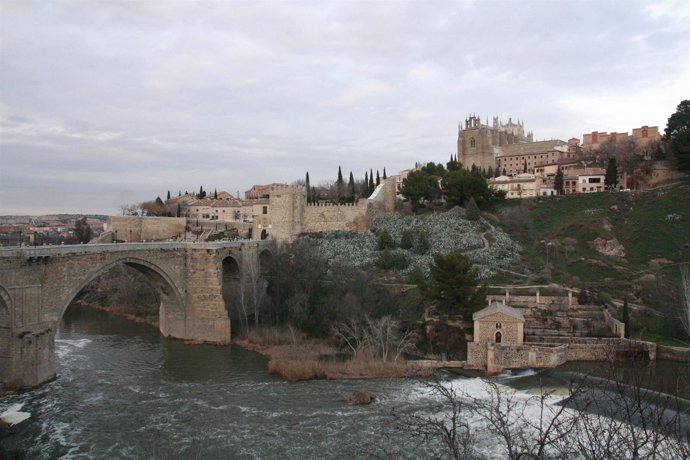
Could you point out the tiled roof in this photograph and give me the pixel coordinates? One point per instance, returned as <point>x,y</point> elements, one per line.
<point>498,307</point>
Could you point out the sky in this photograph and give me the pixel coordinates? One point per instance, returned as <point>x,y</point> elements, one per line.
<point>104,103</point>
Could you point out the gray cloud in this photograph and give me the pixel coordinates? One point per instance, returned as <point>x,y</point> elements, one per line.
<point>109,102</point>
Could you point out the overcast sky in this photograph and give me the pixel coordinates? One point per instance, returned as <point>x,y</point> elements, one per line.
<point>104,103</point>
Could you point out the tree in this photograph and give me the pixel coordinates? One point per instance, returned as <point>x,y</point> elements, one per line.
<point>82,230</point>
<point>453,285</point>
<point>558,181</point>
<point>685,300</point>
<point>459,186</point>
<point>678,135</point>
<point>378,178</point>
<point>611,178</point>
<point>215,194</point>
<point>371,182</point>
<point>384,173</point>
<point>365,191</point>
<point>306,183</point>
<point>351,187</point>
<point>417,186</point>
<point>168,195</point>
<point>472,209</point>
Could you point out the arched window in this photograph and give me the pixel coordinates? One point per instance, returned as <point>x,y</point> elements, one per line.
<point>498,337</point>
<point>472,142</point>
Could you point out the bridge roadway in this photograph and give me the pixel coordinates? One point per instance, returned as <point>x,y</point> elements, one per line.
<point>196,283</point>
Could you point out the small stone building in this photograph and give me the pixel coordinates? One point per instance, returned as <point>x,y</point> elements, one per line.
<point>499,323</point>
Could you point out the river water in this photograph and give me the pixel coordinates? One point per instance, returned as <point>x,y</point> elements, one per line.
<point>123,391</point>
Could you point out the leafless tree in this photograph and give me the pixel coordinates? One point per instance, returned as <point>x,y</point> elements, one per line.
<point>380,336</point>
<point>256,287</point>
<point>685,300</point>
<point>444,428</point>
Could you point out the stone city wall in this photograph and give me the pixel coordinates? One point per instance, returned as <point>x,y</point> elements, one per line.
<point>135,229</point>
<point>330,217</point>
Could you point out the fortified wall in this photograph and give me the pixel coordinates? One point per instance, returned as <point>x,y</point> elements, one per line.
<point>135,229</point>
<point>290,215</point>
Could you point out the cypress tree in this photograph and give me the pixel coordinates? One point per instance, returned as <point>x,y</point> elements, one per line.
<point>371,182</point>
<point>340,175</point>
<point>384,174</point>
<point>490,172</point>
<point>611,178</point>
<point>366,185</point>
<point>215,194</point>
<point>313,194</point>
<point>306,181</point>
<point>351,186</point>
<point>524,168</point>
<point>378,179</point>
<point>168,195</point>
<point>179,210</point>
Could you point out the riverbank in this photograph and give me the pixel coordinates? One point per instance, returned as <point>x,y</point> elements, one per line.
<point>295,357</point>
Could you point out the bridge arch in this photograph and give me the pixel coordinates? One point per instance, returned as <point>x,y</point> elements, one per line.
<point>171,306</point>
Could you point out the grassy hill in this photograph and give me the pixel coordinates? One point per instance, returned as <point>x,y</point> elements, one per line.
<point>642,238</point>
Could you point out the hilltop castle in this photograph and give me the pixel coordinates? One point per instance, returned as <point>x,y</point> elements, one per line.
<point>479,144</point>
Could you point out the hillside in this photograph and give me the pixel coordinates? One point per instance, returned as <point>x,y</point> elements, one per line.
<point>616,244</point>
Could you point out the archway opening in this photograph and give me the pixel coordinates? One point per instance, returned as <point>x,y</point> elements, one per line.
<point>498,337</point>
<point>121,290</point>
<point>134,289</point>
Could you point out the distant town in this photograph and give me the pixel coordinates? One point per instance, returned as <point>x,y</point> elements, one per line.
<point>509,158</point>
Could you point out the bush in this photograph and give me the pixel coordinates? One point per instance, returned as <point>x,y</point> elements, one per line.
<point>423,244</point>
<point>392,260</point>
<point>386,241</point>
<point>407,239</point>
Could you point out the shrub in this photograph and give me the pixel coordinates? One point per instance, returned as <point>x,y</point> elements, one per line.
<point>392,260</point>
<point>385,241</point>
<point>423,244</point>
<point>407,239</point>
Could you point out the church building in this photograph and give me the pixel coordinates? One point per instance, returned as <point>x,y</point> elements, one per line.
<point>479,144</point>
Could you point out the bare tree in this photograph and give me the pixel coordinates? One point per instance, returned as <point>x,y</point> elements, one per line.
<point>685,301</point>
<point>380,336</point>
<point>256,287</point>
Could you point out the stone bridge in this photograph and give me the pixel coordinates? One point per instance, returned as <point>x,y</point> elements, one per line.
<point>195,285</point>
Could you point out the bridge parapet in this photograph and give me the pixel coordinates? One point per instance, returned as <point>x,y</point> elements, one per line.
<point>74,249</point>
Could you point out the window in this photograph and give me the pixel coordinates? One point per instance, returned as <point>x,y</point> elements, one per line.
<point>472,142</point>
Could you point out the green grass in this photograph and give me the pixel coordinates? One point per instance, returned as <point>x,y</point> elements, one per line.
<point>653,330</point>
<point>636,220</point>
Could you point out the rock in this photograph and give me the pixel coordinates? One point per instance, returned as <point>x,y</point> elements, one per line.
<point>606,224</point>
<point>360,397</point>
<point>611,247</point>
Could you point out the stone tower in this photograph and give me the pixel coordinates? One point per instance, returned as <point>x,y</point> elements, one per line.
<point>478,144</point>
<point>287,204</point>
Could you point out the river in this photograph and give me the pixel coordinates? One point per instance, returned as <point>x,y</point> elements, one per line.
<point>123,391</point>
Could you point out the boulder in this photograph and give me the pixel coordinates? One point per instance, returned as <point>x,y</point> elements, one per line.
<point>360,397</point>
<point>611,247</point>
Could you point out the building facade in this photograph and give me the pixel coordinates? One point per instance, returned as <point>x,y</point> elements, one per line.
<point>478,144</point>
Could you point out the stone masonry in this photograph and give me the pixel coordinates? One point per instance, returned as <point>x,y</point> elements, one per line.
<point>37,284</point>
<point>289,215</point>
